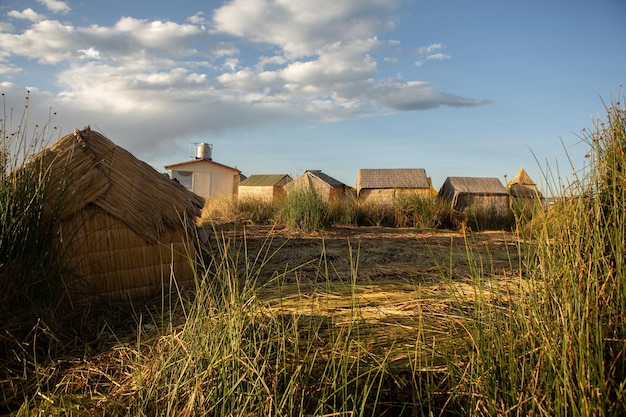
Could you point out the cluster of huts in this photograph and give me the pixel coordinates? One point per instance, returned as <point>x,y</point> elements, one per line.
<point>210,179</point>
<point>124,228</point>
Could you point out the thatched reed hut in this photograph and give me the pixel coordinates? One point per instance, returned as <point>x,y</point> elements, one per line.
<point>383,186</point>
<point>124,228</point>
<point>523,187</point>
<point>476,194</point>
<point>263,187</point>
<point>324,185</point>
<point>525,196</point>
<point>204,176</point>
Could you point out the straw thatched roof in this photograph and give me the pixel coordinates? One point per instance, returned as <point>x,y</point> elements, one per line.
<point>484,200</point>
<point>265,180</point>
<point>91,170</point>
<point>521,178</point>
<point>454,186</point>
<point>522,186</point>
<point>391,178</point>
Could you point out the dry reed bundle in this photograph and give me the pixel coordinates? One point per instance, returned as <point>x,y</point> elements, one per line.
<point>395,317</point>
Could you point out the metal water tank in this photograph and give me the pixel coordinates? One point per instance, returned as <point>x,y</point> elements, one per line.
<point>203,151</point>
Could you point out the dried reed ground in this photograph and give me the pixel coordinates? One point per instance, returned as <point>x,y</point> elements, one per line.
<point>390,316</point>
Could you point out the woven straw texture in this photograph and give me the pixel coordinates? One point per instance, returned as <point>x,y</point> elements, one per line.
<point>124,228</point>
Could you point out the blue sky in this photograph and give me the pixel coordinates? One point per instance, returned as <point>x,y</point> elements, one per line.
<point>459,88</point>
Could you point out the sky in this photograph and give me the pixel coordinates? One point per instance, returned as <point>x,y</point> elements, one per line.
<point>460,88</point>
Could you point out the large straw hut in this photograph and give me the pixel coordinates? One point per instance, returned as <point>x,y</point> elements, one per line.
<point>383,186</point>
<point>124,228</point>
<point>204,176</point>
<point>263,187</point>
<point>486,195</point>
<point>324,185</point>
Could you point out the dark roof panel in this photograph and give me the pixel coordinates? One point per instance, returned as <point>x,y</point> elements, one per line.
<point>326,178</point>
<point>264,180</point>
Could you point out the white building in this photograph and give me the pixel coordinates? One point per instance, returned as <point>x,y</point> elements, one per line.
<point>204,176</point>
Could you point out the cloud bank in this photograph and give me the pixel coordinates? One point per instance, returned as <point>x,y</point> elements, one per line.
<point>243,64</point>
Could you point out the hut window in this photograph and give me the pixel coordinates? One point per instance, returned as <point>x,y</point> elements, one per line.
<point>184,178</point>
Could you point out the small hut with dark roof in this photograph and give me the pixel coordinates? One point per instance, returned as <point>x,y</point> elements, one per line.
<point>324,185</point>
<point>124,227</point>
<point>263,187</point>
<point>383,186</point>
<point>476,194</point>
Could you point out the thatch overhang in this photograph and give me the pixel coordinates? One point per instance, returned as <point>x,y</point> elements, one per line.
<point>399,178</point>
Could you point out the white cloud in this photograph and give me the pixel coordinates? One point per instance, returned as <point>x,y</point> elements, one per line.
<point>430,53</point>
<point>415,95</point>
<point>55,6</point>
<point>301,27</point>
<point>426,50</point>
<point>26,14</point>
<point>231,64</point>
<point>90,53</point>
<point>265,61</point>
<point>197,19</point>
<point>48,41</point>
<point>52,42</point>
<point>309,60</point>
<point>438,57</point>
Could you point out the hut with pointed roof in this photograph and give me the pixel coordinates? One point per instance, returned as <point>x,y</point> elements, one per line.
<point>383,186</point>
<point>522,186</point>
<point>123,227</point>
<point>324,185</point>
<point>525,196</point>
<point>263,187</point>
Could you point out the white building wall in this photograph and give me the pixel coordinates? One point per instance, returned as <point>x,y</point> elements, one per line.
<point>205,179</point>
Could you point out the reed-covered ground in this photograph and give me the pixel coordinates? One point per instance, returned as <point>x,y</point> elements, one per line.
<point>352,320</point>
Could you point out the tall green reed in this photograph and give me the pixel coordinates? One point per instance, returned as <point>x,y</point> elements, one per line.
<point>561,349</point>
<point>31,283</point>
<point>304,210</point>
<point>232,356</point>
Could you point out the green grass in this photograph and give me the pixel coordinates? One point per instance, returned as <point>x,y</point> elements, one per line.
<point>304,210</point>
<point>561,350</point>
<point>31,276</point>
